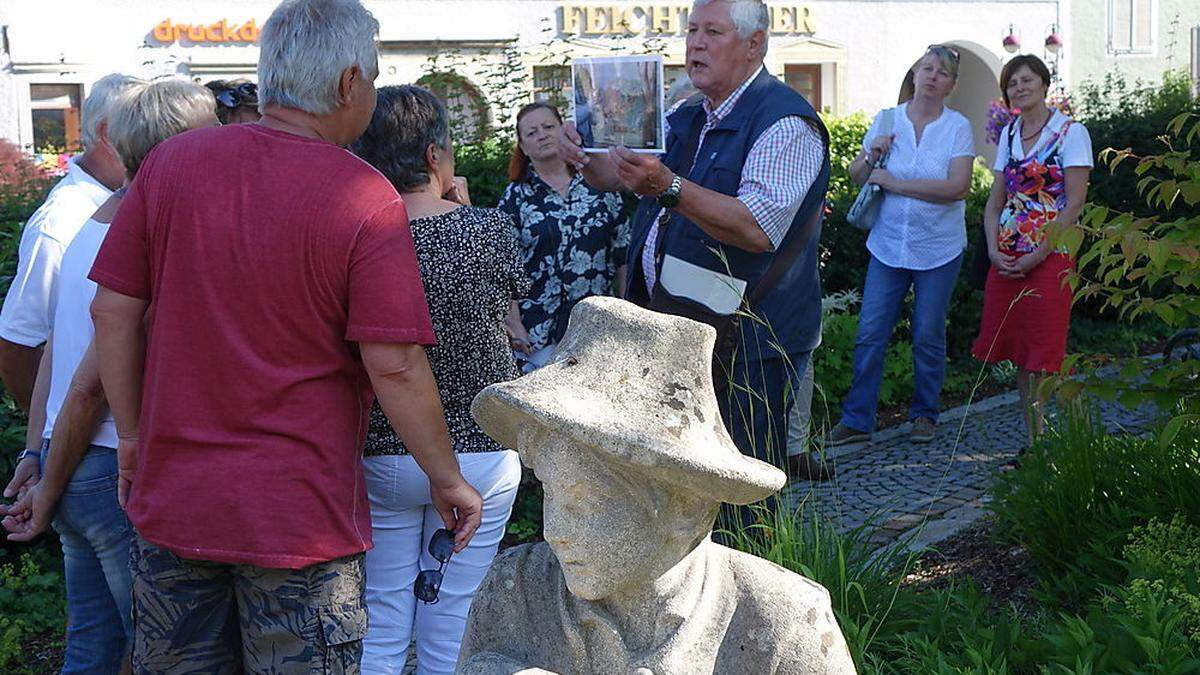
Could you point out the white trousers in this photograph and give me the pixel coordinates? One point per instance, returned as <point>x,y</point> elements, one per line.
<point>402,521</point>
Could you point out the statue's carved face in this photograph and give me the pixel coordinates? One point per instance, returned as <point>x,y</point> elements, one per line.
<point>603,535</point>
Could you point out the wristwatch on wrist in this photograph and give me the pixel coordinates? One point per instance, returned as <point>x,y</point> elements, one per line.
<point>669,198</point>
<point>28,453</point>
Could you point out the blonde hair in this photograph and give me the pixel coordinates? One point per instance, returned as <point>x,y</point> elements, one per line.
<point>150,113</point>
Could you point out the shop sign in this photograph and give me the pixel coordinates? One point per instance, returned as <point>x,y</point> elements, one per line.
<point>223,31</point>
<point>663,20</point>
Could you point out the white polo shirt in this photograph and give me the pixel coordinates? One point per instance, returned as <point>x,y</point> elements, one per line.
<point>28,308</point>
<point>72,326</point>
<point>912,233</point>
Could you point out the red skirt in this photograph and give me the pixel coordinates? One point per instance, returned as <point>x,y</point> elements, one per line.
<point>1025,320</point>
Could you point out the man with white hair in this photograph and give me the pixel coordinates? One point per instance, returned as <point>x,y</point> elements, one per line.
<point>245,311</point>
<point>730,218</point>
<point>29,306</point>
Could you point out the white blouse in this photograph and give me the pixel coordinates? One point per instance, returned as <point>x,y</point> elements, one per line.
<point>913,233</point>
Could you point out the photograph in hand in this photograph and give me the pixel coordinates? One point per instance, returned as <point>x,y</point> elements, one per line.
<point>618,101</point>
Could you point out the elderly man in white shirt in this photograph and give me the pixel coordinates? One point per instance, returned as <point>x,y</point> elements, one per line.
<point>28,309</point>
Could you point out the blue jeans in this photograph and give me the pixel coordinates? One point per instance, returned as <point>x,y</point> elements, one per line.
<point>883,297</point>
<point>95,537</point>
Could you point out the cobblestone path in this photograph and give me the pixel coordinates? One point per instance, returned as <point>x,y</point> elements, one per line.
<point>899,485</point>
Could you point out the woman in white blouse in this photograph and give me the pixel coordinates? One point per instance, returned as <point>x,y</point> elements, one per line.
<point>917,241</point>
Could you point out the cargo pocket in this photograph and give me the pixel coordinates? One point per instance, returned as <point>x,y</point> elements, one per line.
<point>343,628</point>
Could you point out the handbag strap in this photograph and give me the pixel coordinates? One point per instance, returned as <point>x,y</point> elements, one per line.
<point>886,126</point>
<point>785,257</point>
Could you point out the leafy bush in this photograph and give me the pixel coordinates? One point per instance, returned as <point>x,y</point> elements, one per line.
<point>833,363</point>
<point>485,166</point>
<point>1080,492</point>
<point>1164,565</point>
<point>1145,266</point>
<point>1130,115</point>
<point>32,601</point>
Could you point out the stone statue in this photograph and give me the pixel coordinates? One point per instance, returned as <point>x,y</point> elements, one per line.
<point>623,430</point>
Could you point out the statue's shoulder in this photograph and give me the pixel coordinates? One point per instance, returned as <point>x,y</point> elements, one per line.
<point>513,567</point>
<point>796,610</point>
<point>778,583</point>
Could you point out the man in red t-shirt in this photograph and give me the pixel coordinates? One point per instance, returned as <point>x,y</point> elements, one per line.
<point>256,283</point>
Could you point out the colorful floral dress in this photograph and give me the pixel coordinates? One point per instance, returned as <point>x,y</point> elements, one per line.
<point>1025,320</point>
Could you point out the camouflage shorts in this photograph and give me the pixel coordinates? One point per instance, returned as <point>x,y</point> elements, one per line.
<point>194,616</point>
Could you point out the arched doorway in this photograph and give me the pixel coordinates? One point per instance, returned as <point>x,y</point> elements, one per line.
<point>978,78</point>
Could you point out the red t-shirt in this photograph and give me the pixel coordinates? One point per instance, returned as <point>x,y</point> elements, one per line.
<point>265,257</point>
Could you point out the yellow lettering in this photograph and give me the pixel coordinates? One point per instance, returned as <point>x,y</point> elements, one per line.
<point>633,20</point>
<point>594,18</point>
<point>195,33</point>
<point>162,31</point>
<point>664,19</point>
<point>179,31</point>
<point>783,20</point>
<point>572,16</point>
<point>213,32</point>
<point>249,32</point>
<point>803,22</point>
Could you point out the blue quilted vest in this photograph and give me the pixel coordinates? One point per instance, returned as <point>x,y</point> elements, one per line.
<point>792,309</point>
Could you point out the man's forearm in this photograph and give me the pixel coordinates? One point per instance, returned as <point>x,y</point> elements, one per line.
<point>75,424</point>
<point>37,404</point>
<point>121,352</point>
<point>18,369</point>
<point>723,218</point>
<point>408,394</point>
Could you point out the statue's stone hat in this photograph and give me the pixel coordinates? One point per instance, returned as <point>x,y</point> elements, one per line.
<point>635,387</point>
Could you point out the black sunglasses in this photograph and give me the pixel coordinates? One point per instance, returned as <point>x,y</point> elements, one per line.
<point>244,93</point>
<point>943,48</point>
<point>429,582</point>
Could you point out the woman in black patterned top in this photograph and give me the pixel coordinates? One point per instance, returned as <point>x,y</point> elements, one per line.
<point>472,273</point>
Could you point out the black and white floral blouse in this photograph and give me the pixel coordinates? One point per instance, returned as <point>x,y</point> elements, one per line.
<point>471,270</point>
<point>571,247</point>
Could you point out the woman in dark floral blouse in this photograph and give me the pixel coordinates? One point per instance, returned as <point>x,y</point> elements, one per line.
<point>572,237</point>
<point>472,272</point>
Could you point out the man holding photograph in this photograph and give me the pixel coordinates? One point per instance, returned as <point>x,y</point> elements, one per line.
<point>742,183</point>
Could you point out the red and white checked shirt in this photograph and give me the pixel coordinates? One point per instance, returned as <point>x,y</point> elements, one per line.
<point>780,168</point>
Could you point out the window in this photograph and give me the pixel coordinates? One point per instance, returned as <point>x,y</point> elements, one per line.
<point>467,108</point>
<point>56,117</point>
<point>552,84</point>
<point>805,78</point>
<point>1130,26</point>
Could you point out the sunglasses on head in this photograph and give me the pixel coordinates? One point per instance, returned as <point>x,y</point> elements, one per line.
<point>943,48</point>
<point>429,582</point>
<point>240,95</point>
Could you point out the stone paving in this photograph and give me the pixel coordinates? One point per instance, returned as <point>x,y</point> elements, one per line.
<point>924,492</point>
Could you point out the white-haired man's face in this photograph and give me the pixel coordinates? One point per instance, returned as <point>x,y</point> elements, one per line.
<point>718,58</point>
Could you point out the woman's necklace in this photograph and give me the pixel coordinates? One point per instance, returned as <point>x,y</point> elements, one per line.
<point>1026,139</point>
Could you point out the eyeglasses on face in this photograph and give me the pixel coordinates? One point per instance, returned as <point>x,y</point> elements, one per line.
<point>943,49</point>
<point>429,582</point>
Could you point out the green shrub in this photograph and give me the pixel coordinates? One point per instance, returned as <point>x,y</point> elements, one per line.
<point>1081,491</point>
<point>1130,115</point>
<point>833,363</point>
<point>485,166</point>
<point>1164,562</point>
<point>32,602</point>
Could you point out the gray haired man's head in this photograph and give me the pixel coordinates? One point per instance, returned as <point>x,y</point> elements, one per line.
<point>748,16</point>
<point>98,106</point>
<point>407,120</point>
<point>306,45</point>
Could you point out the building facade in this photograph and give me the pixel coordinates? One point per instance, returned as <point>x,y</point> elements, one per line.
<point>488,56</point>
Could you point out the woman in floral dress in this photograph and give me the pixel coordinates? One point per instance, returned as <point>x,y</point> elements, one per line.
<point>572,237</point>
<point>1042,168</point>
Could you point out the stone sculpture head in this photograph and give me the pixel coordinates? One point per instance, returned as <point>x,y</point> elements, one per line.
<point>624,432</point>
